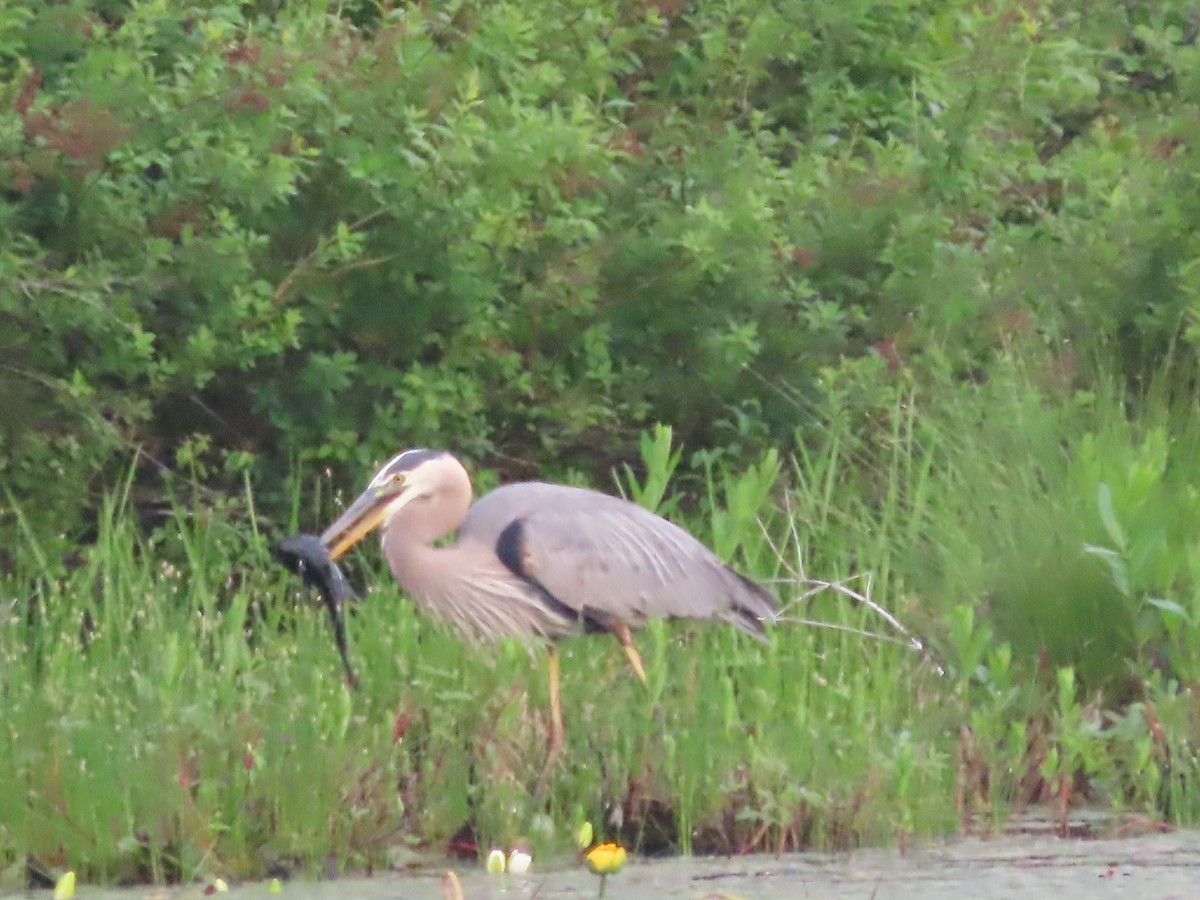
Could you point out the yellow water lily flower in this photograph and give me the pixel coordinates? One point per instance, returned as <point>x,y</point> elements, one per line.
<point>64,888</point>
<point>583,837</point>
<point>605,859</point>
<point>496,863</point>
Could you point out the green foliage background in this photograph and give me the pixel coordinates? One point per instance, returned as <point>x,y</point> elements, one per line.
<point>941,254</point>
<point>245,235</point>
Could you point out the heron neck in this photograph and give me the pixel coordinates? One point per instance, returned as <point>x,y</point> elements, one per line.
<point>407,543</point>
<point>414,562</point>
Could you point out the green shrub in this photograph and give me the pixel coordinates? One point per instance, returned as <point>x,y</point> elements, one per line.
<point>244,236</point>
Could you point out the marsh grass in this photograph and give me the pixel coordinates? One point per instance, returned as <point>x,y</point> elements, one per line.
<point>970,625</point>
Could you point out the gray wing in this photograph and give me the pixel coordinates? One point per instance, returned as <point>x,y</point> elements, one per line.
<point>608,559</point>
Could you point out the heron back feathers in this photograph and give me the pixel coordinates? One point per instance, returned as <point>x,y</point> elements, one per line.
<point>597,559</point>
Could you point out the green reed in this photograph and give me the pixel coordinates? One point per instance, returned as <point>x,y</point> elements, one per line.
<point>174,707</point>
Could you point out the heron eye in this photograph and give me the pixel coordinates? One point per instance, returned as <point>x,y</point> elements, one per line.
<point>398,478</point>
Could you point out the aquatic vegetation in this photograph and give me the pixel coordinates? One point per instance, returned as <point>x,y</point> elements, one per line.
<point>452,886</point>
<point>165,697</point>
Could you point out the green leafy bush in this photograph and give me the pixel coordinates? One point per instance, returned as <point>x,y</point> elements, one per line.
<point>245,236</point>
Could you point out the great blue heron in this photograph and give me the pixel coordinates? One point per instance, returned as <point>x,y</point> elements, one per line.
<point>540,560</point>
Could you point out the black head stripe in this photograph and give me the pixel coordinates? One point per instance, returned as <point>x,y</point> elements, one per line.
<point>406,462</point>
<point>410,459</point>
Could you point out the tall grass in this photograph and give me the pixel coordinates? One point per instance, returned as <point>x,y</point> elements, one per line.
<point>985,606</point>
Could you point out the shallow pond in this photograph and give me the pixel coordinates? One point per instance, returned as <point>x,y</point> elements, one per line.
<point>1160,866</point>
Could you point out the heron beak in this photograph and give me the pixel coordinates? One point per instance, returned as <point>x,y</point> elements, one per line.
<point>363,516</point>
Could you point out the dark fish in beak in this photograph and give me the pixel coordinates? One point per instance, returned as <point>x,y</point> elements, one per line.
<point>305,555</point>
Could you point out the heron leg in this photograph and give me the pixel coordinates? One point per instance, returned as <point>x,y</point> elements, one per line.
<point>556,741</point>
<point>625,636</point>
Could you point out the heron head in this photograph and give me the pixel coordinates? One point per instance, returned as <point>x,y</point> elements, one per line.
<point>404,478</point>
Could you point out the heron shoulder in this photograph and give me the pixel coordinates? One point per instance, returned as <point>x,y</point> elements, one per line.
<point>493,512</point>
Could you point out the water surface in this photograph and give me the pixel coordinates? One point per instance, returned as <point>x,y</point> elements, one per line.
<point>1159,866</point>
